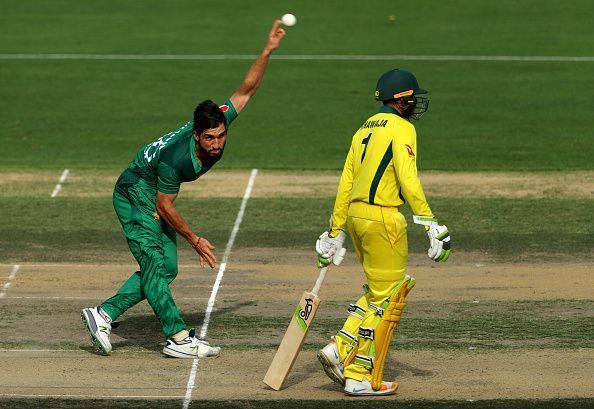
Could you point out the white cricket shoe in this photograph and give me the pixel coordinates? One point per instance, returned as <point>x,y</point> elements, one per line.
<point>363,388</point>
<point>328,357</point>
<point>98,325</point>
<point>190,347</point>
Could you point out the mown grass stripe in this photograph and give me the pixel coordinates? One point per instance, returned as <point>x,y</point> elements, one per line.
<point>461,325</point>
<point>514,234</point>
<point>297,57</point>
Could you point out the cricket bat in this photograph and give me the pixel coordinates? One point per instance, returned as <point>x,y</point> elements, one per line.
<point>290,346</point>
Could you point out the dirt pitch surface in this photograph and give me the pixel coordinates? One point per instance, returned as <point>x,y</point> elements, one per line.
<point>84,183</point>
<point>47,353</point>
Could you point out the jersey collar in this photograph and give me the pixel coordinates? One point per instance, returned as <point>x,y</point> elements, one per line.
<point>387,109</point>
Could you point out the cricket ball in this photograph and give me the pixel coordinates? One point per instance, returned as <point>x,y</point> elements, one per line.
<point>289,20</point>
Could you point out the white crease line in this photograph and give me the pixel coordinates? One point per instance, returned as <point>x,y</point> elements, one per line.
<point>59,185</point>
<point>298,57</point>
<point>215,288</point>
<point>88,265</point>
<point>11,277</point>
<point>86,353</point>
<point>39,297</point>
<point>110,397</point>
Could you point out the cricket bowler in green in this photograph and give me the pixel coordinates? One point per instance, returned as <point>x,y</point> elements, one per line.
<point>143,200</point>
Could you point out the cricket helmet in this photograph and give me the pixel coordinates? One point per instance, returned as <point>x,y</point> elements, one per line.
<point>397,83</point>
<point>402,84</point>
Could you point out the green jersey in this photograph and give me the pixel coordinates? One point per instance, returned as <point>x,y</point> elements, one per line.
<point>169,161</point>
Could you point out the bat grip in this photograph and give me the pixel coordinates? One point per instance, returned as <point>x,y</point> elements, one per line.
<point>321,277</point>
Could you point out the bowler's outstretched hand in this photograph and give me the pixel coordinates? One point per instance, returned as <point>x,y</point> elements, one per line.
<point>275,36</point>
<point>204,249</point>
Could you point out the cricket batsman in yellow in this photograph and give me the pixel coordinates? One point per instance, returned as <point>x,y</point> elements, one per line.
<point>379,176</point>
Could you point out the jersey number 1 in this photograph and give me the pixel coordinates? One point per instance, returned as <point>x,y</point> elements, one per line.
<point>365,141</point>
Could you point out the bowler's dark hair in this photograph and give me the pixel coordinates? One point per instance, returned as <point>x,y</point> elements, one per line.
<point>207,115</point>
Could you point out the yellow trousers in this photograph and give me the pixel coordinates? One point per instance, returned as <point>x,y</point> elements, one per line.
<point>379,237</point>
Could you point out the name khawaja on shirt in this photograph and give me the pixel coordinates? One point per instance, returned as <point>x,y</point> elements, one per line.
<point>378,123</point>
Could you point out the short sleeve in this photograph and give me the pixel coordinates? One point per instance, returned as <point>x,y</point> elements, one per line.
<point>167,179</point>
<point>229,111</point>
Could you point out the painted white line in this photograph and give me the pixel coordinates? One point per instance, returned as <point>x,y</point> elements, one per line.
<point>60,182</point>
<point>82,352</point>
<point>87,265</point>
<point>215,288</point>
<point>298,57</point>
<point>11,277</point>
<point>40,297</point>
<point>109,397</point>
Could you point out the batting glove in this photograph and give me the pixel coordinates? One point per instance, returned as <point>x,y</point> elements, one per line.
<point>330,249</point>
<point>439,242</point>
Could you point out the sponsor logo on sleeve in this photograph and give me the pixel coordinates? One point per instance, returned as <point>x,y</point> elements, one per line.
<point>410,151</point>
<point>224,107</point>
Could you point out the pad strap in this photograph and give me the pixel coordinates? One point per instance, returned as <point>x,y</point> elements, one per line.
<point>347,337</point>
<point>365,361</point>
<point>377,310</point>
<point>356,311</point>
<point>368,333</point>
<point>425,220</point>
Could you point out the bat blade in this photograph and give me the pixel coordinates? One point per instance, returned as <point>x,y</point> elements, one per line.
<point>292,342</point>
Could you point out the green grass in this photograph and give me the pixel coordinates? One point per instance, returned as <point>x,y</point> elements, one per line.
<point>86,229</point>
<point>486,326</point>
<point>483,116</point>
<point>537,27</point>
<point>450,325</point>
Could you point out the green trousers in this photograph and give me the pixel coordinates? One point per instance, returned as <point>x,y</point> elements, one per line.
<point>153,244</point>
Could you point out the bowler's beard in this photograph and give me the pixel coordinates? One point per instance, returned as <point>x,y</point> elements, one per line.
<point>210,158</point>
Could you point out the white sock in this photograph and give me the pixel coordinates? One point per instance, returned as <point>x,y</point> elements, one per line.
<point>184,333</point>
<point>105,315</point>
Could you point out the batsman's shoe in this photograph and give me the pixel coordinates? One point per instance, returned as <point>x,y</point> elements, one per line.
<point>98,325</point>
<point>190,347</point>
<point>328,357</point>
<point>363,388</point>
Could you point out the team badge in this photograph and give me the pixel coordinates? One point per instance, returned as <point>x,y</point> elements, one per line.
<point>410,151</point>
<point>224,107</point>
<point>156,216</point>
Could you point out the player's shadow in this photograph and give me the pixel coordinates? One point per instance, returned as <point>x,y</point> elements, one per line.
<point>393,371</point>
<point>144,330</point>
<point>304,372</point>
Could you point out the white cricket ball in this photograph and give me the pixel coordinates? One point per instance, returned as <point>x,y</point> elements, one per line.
<point>289,20</point>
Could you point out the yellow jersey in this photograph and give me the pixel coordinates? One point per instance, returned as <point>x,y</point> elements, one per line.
<point>381,168</point>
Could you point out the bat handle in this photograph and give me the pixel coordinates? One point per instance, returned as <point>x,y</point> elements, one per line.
<point>321,277</point>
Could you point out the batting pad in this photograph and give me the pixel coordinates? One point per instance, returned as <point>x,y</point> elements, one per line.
<point>386,328</point>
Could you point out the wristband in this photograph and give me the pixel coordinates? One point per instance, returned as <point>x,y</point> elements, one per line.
<point>427,221</point>
<point>197,242</point>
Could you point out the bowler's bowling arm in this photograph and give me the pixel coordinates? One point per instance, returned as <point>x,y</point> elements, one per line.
<point>254,76</point>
